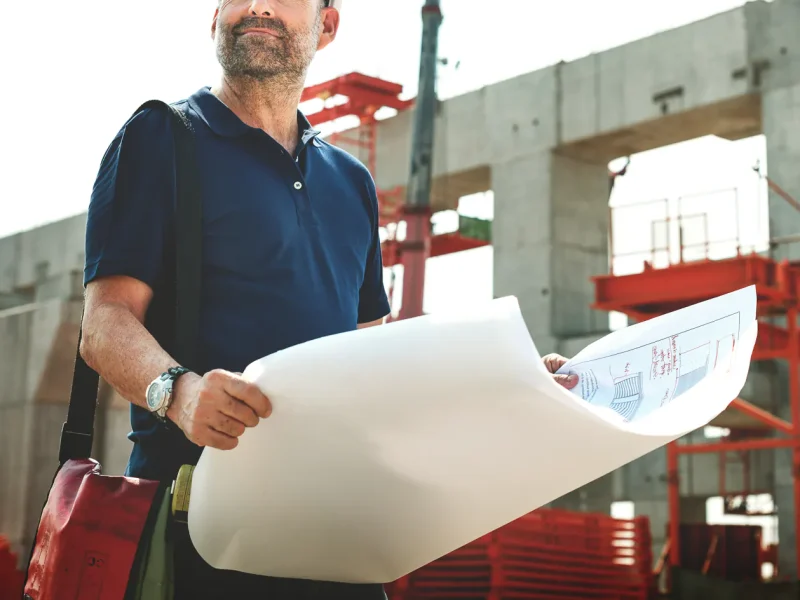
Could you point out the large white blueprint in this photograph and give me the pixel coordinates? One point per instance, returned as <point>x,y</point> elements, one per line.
<point>392,446</point>
<point>642,368</point>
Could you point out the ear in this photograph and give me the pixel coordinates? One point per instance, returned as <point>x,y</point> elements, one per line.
<point>214,24</point>
<point>330,27</point>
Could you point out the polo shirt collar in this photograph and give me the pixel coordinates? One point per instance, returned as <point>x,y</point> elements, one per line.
<point>224,122</point>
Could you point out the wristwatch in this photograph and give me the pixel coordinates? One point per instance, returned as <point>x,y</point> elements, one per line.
<point>159,392</point>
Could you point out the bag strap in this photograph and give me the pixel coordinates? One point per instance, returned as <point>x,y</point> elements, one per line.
<point>77,433</point>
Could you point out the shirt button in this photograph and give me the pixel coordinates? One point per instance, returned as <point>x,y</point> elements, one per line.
<point>298,185</point>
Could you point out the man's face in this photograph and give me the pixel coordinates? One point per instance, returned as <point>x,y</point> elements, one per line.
<point>263,39</point>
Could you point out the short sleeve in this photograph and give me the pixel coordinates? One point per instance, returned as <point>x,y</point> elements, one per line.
<point>373,303</point>
<point>132,205</point>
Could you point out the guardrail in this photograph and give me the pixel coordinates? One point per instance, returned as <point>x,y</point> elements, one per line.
<point>690,228</point>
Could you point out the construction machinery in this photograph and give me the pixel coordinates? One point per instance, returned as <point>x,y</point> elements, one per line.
<point>417,210</point>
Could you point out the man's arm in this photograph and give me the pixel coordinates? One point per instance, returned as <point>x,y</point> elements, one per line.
<point>131,216</point>
<point>212,411</point>
<point>115,343</point>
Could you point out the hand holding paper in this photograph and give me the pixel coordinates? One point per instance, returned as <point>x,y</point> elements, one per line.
<point>393,446</point>
<point>553,363</point>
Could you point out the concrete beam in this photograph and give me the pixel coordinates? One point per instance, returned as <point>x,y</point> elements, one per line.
<point>640,96</point>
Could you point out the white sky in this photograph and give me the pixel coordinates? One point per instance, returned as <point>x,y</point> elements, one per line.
<point>74,74</point>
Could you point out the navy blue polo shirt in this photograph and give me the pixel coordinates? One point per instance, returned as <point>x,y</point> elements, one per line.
<point>291,249</point>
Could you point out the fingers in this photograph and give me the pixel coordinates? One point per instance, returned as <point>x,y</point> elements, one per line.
<point>203,434</point>
<point>228,426</point>
<point>220,441</point>
<point>218,409</point>
<point>235,409</point>
<point>568,381</point>
<point>248,393</point>
<point>553,362</point>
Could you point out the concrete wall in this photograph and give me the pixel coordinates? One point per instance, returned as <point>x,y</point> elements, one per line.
<point>37,345</point>
<point>53,249</point>
<point>676,85</point>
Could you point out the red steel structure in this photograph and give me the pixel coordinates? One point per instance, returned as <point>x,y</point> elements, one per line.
<point>546,554</point>
<point>361,96</point>
<point>654,292</point>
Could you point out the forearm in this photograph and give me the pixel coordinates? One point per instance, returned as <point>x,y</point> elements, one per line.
<point>122,351</point>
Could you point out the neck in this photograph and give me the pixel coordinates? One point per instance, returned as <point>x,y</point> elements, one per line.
<point>267,105</point>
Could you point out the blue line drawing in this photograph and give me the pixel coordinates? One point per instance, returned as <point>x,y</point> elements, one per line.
<point>693,368</point>
<point>628,395</point>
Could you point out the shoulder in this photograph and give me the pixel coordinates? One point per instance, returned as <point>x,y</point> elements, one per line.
<point>144,140</point>
<point>151,124</point>
<point>141,151</point>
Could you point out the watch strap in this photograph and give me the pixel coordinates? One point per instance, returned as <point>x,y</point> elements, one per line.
<point>176,372</point>
<point>172,376</point>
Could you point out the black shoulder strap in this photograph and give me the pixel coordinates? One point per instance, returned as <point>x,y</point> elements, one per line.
<point>78,431</point>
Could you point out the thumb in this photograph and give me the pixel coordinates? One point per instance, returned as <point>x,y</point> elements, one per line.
<point>568,381</point>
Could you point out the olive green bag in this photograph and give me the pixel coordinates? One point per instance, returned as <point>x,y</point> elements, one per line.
<point>156,573</point>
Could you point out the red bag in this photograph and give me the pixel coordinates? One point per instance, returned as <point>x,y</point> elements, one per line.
<point>87,543</point>
<point>88,534</point>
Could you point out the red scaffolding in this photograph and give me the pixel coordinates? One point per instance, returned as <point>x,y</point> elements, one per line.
<point>655,292</point>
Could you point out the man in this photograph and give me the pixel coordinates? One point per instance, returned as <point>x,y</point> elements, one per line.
<point>291,253</point>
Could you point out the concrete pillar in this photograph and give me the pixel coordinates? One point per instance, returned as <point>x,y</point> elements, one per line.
<point>550,236</point>
<point>37,343</point>
<point>16,422</point>
<point>781,110</point>
<point>781,115</point>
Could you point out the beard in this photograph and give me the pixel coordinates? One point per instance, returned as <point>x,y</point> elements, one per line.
<point>286,56</point>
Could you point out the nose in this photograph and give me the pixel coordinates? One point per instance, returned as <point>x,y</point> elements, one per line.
<point>261,8</point>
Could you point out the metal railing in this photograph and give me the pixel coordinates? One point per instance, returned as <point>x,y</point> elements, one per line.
<point>690,228</point>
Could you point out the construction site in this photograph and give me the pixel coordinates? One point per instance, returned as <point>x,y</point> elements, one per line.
<point>550,146</point>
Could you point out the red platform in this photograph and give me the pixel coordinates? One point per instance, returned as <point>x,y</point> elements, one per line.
<point>363,95</point>
<point>445,243</point>
<point>655,292</point>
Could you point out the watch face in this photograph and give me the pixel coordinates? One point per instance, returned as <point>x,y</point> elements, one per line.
<point>155,396</point>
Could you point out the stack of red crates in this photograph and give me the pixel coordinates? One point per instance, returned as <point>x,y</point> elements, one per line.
<point>548,554</point>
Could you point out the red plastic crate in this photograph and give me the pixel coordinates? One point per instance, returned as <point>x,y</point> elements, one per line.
<point>546,555</point>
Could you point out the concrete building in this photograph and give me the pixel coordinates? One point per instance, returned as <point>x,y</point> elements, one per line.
<point>541,142</point>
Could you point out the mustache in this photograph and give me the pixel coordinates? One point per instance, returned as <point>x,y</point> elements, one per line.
<point>256,22</point>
